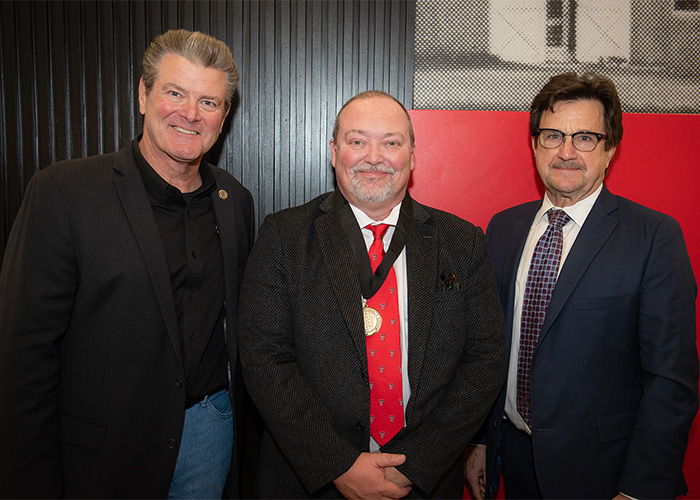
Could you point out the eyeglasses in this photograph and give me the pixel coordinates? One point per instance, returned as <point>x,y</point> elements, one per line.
<point>586,142</point>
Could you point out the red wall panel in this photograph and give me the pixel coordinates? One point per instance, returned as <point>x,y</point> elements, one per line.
<point>476,163</point>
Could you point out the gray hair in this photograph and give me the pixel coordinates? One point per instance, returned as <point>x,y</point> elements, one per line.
<point>197,48</point>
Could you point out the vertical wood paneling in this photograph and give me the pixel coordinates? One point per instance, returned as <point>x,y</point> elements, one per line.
<point>10,194</point>
<point>69,73</point>
<point>24,93</point>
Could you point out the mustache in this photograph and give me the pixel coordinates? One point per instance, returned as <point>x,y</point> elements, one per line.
<point>373,168</point>
<point>569,164</point>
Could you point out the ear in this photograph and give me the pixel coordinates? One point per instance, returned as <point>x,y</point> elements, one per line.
<point>533,144</point>
<point>223,119</point>
<point>142,96</point>
<point>611,152</point>
<point>332,145</point>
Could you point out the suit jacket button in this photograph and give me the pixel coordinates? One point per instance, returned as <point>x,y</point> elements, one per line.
<point>172,444</point>
<point>360,426</point>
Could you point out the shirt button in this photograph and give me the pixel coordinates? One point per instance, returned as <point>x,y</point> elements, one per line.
<point>360,426</point>
<point>191,295</point>
<point>172,443</point>
<point>194,254</point>
<point>191,336</point>
<point>178,382</point>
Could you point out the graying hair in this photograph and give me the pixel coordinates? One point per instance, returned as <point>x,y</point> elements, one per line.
<point>197,48</point>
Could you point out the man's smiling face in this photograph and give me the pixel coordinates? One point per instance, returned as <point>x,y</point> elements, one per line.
<point>373,155</point>
<point>183,112</point>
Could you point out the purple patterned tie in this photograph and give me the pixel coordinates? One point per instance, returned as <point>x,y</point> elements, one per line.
<point>541,278</point>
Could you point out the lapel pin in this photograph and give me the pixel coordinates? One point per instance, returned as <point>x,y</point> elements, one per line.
<point>223,194</point>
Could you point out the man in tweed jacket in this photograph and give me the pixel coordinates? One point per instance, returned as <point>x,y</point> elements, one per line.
<point>302,338</point>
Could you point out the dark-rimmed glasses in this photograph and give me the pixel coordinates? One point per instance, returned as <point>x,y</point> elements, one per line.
<point>586,142</point>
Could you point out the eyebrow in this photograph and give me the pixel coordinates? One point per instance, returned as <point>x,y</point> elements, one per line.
<point>175,86</point>
<point>362,132</point>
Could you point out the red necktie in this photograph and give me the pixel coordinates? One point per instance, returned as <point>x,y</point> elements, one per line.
<point>541,278</point>
<point>384,352</point>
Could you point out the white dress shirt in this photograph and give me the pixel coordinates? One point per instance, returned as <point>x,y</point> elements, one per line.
<point>401,283</point>
<point>578,214</point>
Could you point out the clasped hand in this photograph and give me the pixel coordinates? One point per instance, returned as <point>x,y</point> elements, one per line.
<point>374,476</point>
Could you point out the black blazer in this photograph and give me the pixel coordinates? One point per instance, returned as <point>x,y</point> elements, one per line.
<point>615,371</point>
<point>91,396</point>
<point>304,358</point>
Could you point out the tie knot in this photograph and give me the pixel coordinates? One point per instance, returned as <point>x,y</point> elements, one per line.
<point>379,230</point>
<point>558,217</point>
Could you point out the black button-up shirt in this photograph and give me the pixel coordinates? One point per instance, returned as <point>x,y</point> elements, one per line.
<point>187,226</point>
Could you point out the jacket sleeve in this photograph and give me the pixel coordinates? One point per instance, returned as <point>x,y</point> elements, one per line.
<point>669,362</point>
<point>37,285</point>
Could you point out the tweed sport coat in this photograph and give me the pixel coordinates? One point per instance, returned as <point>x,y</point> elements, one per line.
<point>304,357</point>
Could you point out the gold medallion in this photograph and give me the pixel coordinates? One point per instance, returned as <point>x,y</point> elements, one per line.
<point>373,320</point>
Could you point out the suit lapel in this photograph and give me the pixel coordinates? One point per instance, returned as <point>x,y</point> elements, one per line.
<point>513,248</point>
<point>342,273</point>
<point>226,224</point>
<point>595,232</point>
<point>422,257</point>
<point>422,263</point>
<point>132,194</point>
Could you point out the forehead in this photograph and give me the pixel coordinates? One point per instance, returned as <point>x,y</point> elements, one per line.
<point>581,114</point>
<point>376,113</point>
<point>177,69</point>
<point>173,63</point>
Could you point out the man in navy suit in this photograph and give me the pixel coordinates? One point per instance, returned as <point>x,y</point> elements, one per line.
<point>605,403</point>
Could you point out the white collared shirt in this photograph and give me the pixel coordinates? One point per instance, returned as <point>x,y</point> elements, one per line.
<point>578,214</point>
<point>401,283</point>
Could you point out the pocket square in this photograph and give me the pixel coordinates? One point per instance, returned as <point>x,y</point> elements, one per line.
<point>450,282</point>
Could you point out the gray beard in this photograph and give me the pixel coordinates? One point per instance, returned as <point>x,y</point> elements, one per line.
<point>370,192</point>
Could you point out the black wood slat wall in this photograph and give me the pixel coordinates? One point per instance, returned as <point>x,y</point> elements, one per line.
<point>69,73</point>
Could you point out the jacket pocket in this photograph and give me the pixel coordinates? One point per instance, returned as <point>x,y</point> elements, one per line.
<point>80,432</point>
<point>449,296</point>
<point>616,427</point>
<point>616,301</point>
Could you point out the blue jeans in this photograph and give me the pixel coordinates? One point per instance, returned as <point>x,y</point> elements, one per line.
<point>204,458</point>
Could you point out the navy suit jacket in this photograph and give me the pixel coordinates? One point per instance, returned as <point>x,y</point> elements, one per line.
<point>92,402</point>
<point>615,372</point>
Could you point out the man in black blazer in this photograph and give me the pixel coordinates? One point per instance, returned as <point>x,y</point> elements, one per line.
<point>118,302</point>
<point>613,377</point>
<point>305,335</point>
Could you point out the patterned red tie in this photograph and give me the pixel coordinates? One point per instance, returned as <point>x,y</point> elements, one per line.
<point>541,278</point>
<point>384,352</point>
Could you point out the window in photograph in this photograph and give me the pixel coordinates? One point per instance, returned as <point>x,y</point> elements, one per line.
<point>686,5</point>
